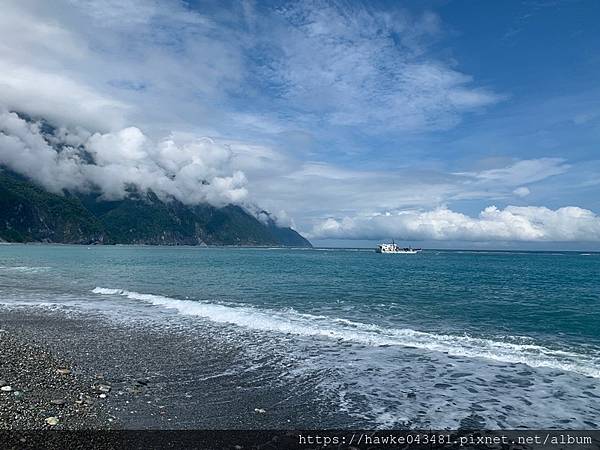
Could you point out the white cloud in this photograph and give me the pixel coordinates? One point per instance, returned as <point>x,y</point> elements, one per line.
<point>57,98</point>
<point>513,223</point>
<point>45,34</point>
<point>315,190</point>
<point>355,65</point>
<point>24,150</point>
<point>522,191</point>
<point>106,64</point>
<point>521,172</point>
<point>43,71</point>
<point>271,85</point>
<point>87,66</point>
<point>312,190</point>
<point>110,13</point>
<point>192,171</point>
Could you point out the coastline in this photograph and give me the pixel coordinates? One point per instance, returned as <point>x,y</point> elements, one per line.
<point>97,244</point>
<point>499,250</point>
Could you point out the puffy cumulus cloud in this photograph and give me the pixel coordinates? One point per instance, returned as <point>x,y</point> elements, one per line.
<point>529,223</point>
<point>24,150</point>
<point>190,170</point>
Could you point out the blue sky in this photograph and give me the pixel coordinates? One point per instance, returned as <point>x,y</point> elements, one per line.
<point>353,121</point>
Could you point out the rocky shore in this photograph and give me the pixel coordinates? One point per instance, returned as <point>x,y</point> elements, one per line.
<point>40,391</point>
<point>62,372</point>
<point>74,371</point>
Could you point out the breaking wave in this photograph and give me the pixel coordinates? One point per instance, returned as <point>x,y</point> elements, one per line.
<point>289,321</point>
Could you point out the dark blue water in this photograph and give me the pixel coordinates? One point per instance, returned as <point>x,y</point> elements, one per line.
<point>504,339</point>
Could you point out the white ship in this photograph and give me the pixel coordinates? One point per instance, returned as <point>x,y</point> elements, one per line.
<point>394,248</point>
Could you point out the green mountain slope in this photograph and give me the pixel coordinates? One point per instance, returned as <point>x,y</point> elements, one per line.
<point>30,214</point>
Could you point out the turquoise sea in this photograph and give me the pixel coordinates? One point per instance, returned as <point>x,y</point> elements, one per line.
<point>438,339</point>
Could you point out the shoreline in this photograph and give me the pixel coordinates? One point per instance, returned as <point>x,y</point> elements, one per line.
<point>74,244</point>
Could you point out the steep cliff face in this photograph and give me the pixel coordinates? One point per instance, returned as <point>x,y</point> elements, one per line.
<point>30,214</point>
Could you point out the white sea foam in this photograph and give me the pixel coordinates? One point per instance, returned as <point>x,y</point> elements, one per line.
<point>291,322</point>
<point>27,269</point>
<point>38,304</point>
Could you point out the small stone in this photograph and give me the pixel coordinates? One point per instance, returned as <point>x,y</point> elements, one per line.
<point>259,410</point>
<point>5,388</point>
<point>102,396</point>
<point>52,421</point>
<point>63,371</point>
<point>58,401</point>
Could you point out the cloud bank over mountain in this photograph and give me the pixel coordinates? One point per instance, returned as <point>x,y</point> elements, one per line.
<point>192,170</point>
<point>56,73</point>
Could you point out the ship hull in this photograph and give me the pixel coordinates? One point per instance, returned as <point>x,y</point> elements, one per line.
<point>413,252</point>
<point>393,248</point>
